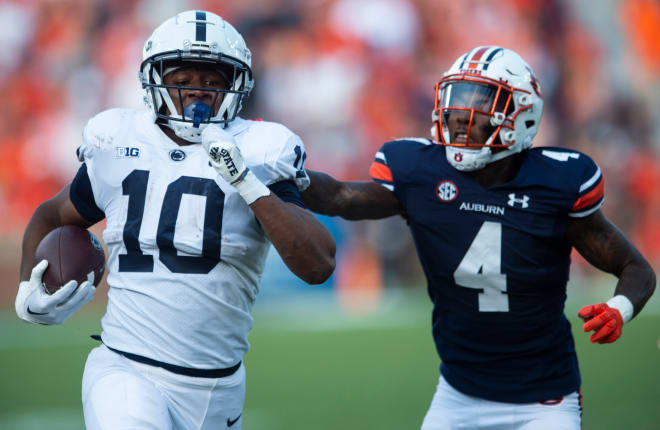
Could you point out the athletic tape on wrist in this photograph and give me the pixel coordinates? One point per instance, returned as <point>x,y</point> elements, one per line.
<point>251,188</point>
<point>623,305</point>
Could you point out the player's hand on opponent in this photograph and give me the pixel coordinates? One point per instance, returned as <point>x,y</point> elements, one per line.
<point>227,160</point>
<point>606,319</point>
<point>35,305</point>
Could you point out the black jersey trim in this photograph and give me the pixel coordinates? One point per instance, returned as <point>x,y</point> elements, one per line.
<point>180,370</point>
<point>288,192</point>
<point>82,196</point>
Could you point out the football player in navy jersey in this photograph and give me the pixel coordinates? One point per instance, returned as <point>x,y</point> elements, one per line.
<point>193,197</point>
<point>494,222</point>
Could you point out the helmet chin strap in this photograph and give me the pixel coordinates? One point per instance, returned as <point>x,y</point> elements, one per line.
<point>475,159</point>
<point>467,160</point>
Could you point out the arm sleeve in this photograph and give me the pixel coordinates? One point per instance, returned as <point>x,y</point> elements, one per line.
<point>590,194</point>
<point>288,192</point>
<point>82,196</point>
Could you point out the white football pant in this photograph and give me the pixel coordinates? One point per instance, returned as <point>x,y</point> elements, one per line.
<point>452,410</point>
<point>119,393</point>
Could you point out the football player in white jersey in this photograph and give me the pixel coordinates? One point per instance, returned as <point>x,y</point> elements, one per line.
<point>193,196</point>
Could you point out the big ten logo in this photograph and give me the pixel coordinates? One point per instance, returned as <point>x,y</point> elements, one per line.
<point>127,152</point>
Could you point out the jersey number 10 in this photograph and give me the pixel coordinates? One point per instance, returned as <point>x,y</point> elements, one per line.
<point>135,187</point>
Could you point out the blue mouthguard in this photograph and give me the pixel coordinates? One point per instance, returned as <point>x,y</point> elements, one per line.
<point>198,111</point>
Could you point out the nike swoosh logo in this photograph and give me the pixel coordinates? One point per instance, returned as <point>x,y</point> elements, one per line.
<point>35,313</point>
<point>232,422</point>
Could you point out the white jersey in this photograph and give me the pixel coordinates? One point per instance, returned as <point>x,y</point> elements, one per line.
<point>186,252</point>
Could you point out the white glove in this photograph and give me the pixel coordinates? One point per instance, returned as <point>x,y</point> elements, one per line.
<point>228,161</point>
<point>35,305</point>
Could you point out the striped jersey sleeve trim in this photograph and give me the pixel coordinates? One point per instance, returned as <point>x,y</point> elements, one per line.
<point>589,211</point>
<point>591,180</point>
<point>388,186</point>
<point>591,197</point>
<point>380,172</point>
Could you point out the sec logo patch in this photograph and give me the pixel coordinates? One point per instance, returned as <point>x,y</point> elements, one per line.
<point>447,191</point>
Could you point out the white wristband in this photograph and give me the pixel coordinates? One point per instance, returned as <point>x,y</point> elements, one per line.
<point>623,305</point>
<point>251,188</point>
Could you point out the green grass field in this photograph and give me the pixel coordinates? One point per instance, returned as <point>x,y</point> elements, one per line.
<point>313,366</point>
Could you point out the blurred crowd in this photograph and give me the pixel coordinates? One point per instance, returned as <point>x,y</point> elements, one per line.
<point>346,75</point>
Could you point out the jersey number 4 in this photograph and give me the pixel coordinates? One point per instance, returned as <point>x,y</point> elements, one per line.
<point>481,269</point>
<point>135,187</point>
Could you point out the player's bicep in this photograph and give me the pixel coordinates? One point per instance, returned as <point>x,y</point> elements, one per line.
<point>69,215</point>
<point>59,210</point>
<point>601,243</point>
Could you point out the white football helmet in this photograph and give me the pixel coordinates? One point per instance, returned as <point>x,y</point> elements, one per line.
<point>195,37</point>
<point>490,83</point>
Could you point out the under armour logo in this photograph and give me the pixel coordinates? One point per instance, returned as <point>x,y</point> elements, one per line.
<point>513,200</point>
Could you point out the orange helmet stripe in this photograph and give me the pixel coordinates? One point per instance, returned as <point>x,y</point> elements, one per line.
<point>474,62</point>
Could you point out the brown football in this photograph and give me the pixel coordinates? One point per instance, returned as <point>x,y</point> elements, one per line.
<point>72,253</point>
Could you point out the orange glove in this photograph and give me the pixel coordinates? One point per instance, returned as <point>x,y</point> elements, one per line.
<point>606,321</point>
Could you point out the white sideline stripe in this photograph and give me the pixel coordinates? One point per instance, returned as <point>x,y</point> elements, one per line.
<point>314,321</point>
<point>43,418</point>
<point>591,181</point>
<point>335,323</point>
<point>41,342</point>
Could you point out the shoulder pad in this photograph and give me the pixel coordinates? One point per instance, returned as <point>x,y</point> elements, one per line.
<point>575,175</point>
<point>101,130</point>
<point>274,153</point>
<point>396,160</point>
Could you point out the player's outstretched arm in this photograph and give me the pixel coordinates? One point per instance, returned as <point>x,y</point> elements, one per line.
<point>33,303</point>
<point>350,200</point>
<point>603,245</point>
<point>304,244</point>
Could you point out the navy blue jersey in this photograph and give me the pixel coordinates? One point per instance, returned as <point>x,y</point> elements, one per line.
<point>497,263</point>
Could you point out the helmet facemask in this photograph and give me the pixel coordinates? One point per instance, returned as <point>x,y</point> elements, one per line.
<point>488,106</point>
<point>223,103</point>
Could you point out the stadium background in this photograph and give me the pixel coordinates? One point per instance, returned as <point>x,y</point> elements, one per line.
<point>346,75</point>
